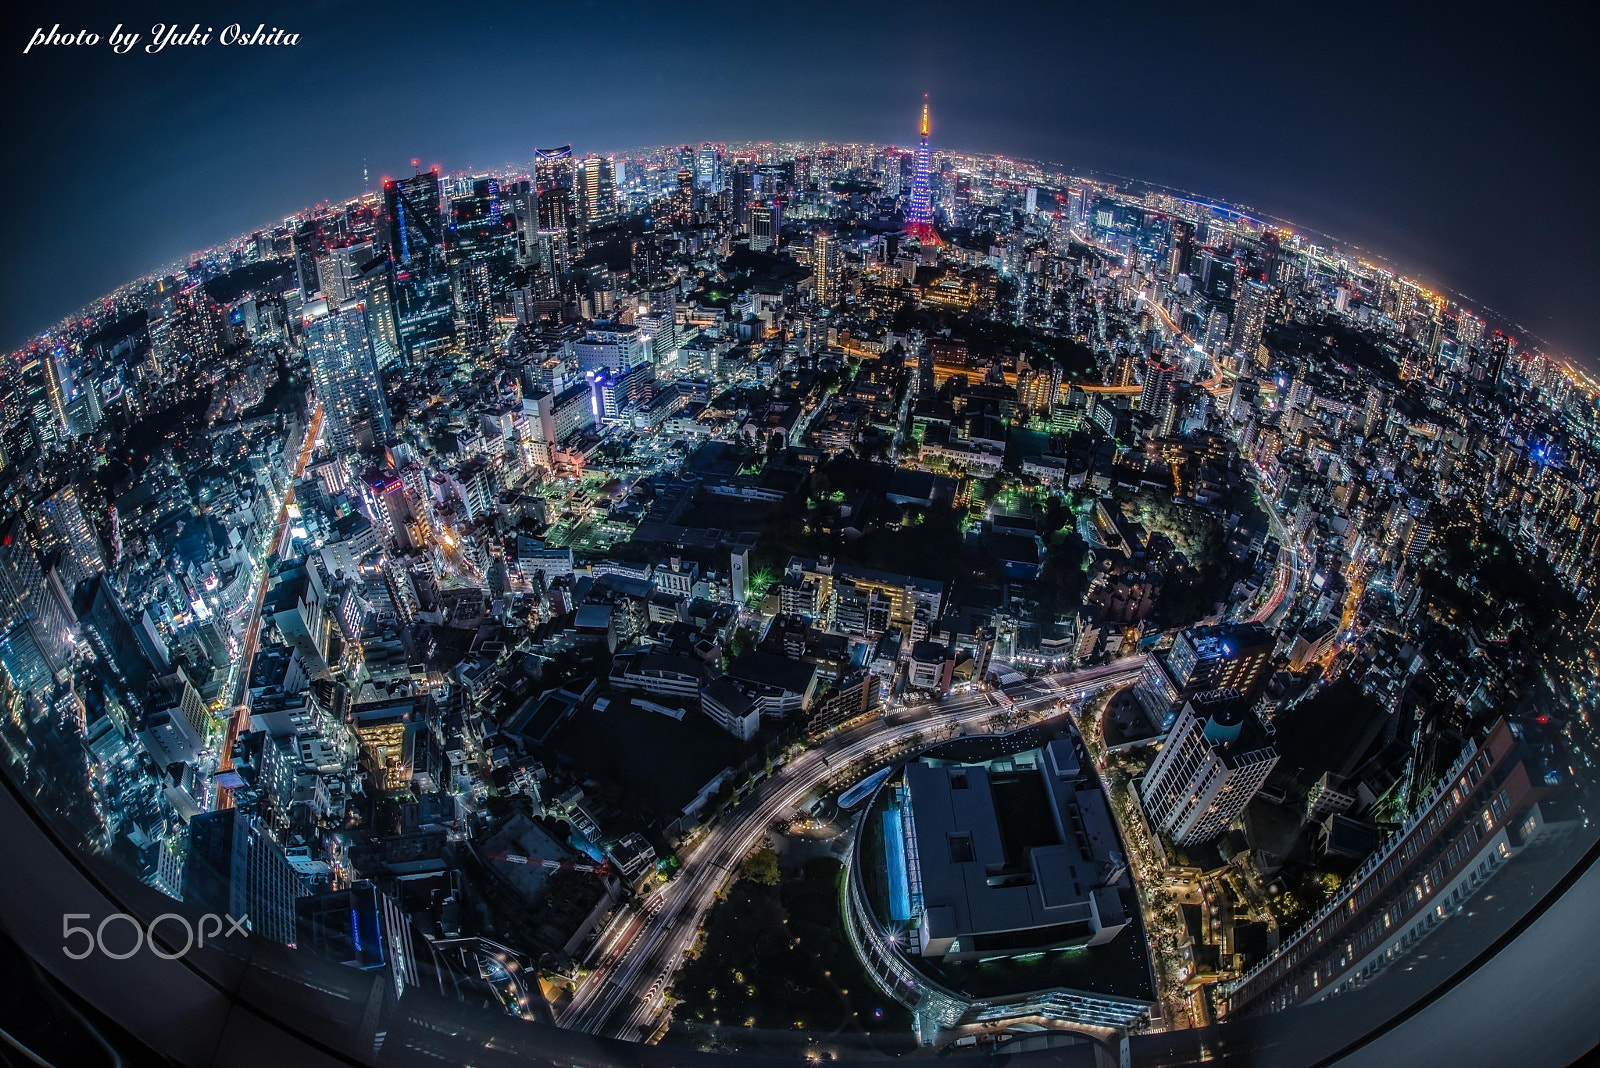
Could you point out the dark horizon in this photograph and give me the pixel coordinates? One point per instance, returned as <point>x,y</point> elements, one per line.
<point>1447,149</point>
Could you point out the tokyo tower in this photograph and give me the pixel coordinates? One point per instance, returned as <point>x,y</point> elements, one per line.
<point>919,219</point>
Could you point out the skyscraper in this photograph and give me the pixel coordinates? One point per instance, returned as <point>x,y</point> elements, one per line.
<point>373,288</point>
<point>338,270</point>
<point>344,369</point>
<point>416,221</point>
<point>63,527</point>
<point>766,222</point>
<point>596,188</point>
<point>1210,766</point>
<point>417,245</point>
<point>35,611</point>
<point>1255,298</point>
<point>553,174</point>
<point>919,219</point>
<point>708,168</point>
<point>1155,399</point>
<point>72,395</point>
<point>743,191</point>
<point>236,867</point>
<point>825,267</point>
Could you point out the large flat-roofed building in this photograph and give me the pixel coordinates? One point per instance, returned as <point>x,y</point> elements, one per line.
<point>1003,863</point>
<point>988,885</point>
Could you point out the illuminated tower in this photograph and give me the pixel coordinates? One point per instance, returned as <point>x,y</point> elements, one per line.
<point>919,220</point>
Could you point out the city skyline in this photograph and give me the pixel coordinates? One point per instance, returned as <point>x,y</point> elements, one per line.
<point>809,597</point>
<point>386,184</point>
<point>1404,198</point>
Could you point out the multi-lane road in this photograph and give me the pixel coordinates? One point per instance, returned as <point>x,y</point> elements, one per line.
<point>642,949</point>
<point>238,714</point>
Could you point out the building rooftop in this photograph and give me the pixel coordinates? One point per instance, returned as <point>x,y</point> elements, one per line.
<point>1013,857</point>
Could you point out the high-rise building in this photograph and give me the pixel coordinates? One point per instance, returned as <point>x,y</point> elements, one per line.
<point>474,312</point>
<point>373,289</point>
<point>338,271</point>
<point>825,267</point>
<point>1490,806</point>
<point>236,867</point>
<point>63,528</point>
<point>1210,766</point>
<point>359,926</point>
<point>113,633</point>
<point>766,223</point>
<point>554,173</point>
<point>1155,398</point>
<point>344,370</point>
<point>416,221</point>
<point>1255,298</point>
<point>596,190</point>
<point>743,191</point>
<point>708,168</point>
<point>72,394</point>
<point>1231,656</point>
<point>415,217</point>
<point>35,611</point>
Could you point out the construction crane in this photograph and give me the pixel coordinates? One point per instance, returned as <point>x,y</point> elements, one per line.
<point>602,868</point>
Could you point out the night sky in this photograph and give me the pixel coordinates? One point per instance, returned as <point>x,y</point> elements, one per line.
<point>1463,147</point>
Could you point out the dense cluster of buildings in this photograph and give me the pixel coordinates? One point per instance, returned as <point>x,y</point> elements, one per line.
<point>320,548</point>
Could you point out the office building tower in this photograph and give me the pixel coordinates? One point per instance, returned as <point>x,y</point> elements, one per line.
<point>338,270</point>
<point>1231,656</point>
<point>1212,762</point>
<point>708,168</point>
<point>236,868</point>
<point>344,370</point>
<point>523,199</point>
<point>372,287</point>
<point>416,221</point>
<point>743,192</point>
<point>596,190</point>
<point>1490,806</point>
<point>72,394</point>
<point>35,611</point>
<point>825,268</point>
<point>474,311</point>
<point>766,223</point>
<point>106,623</point>
<point>361,927</point>
<point>476,223</point>
<point>416,228</point>
<point>306,246</point>
<point>64,529</point>
<point>554,171</point>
